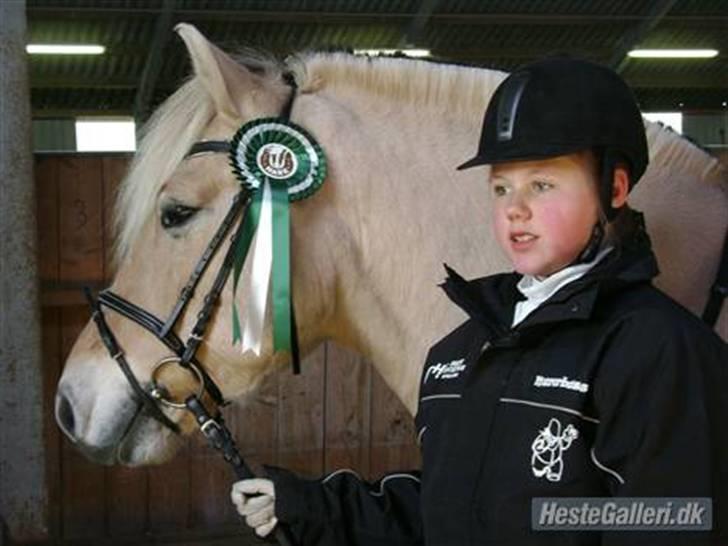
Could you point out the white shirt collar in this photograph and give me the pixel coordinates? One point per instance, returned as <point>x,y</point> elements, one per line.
<point>538,291</point>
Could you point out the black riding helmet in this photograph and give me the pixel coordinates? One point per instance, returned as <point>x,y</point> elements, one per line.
<point>561,105</point>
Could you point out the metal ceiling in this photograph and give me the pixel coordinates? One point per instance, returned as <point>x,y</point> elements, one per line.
<point>145,62</point>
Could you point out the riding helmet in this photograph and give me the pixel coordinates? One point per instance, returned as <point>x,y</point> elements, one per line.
<point>562,105</point>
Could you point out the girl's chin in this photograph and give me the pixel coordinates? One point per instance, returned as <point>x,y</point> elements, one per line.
<point>535,270</point>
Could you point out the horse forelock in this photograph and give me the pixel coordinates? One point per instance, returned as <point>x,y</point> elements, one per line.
<point>166,138</point>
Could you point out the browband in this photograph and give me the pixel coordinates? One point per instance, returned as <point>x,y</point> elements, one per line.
<point>209,146</point>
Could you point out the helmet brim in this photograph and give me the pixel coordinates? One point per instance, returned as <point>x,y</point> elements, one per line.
<point>476,161</point>
<point>516,154</point>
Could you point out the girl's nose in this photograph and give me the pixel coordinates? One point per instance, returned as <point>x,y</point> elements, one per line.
<point>518,209</point>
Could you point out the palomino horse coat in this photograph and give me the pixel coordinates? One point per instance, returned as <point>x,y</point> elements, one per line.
<point>367,249</point>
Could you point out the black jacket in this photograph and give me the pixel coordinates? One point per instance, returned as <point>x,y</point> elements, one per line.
<point>610,388</point>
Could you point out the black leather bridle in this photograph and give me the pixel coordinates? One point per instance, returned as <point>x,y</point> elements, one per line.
<point>212,427</point>
<point>184,351</point>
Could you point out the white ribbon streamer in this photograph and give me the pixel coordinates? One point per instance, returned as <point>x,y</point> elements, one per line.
<point>257,294</point>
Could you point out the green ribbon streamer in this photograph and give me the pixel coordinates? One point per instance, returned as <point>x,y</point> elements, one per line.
<point>281,274</point>
<point>281,270</point>
<point>241,252</point>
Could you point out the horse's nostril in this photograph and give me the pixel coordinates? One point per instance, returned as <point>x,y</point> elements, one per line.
<point>64,416</point>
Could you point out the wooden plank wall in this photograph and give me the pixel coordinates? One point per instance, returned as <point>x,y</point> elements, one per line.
<point>337,414</point>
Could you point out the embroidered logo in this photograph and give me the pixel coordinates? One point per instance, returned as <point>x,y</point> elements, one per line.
<point>548,450</point>
<point>561,383</point>
<point>451,370</point>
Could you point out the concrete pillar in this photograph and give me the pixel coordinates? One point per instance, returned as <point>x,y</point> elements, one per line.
<point>23,491</point>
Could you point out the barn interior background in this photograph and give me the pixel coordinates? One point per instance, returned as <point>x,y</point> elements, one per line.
<point>338,413</point>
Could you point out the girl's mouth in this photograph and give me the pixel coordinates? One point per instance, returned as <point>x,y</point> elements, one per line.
<point>522,240</point>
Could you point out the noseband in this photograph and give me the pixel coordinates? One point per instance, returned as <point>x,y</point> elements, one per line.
<point>183,352</point>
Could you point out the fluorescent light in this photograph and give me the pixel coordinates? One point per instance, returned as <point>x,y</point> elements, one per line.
<point>105,135</point>
<point>671,119</point>
<point>673,53</point>
<point>406,52</point>
<point>64,49</point>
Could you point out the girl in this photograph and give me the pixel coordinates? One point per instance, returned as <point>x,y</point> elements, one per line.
<point>572,377</point>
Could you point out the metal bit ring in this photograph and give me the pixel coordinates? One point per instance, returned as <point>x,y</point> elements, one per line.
<point>159,393</point>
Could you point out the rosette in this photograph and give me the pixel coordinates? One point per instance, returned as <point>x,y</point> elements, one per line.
<point>279,162</point>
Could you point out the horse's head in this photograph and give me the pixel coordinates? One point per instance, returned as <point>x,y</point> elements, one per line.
<point>169,208</point>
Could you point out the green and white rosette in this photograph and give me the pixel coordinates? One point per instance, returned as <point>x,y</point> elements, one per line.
<point>279,162</point>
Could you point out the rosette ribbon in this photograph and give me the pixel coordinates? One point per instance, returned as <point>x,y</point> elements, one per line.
<point>278,162</point>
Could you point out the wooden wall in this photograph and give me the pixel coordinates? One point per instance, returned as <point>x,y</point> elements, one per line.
<point>338,413</point>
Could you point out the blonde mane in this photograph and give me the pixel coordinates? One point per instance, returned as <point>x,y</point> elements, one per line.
<point>443,87</point>
<point>670,148</point>
<point>458,90</point>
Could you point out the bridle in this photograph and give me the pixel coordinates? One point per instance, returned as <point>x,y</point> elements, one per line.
<point>184,352</point>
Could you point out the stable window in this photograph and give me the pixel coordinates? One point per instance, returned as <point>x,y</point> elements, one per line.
<point>105,135</point>
<point>671,119</point>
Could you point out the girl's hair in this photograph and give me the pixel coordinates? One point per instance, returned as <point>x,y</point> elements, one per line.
<point>624,228</point>
<point>628,222</point>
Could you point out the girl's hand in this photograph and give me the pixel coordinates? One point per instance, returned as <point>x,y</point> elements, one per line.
<point>255,501</point>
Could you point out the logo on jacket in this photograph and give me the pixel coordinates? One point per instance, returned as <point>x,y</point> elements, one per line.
<point>560,383</point>
<point>451,370</point>
<point>547,459</point>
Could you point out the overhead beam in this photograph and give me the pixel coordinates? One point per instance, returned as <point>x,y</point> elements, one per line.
<point>415,29</point>
<point>38,81</point>
<point>491,54</point>
<point>636,34</point>
<point>672,82</point>
<point>150,74</point>
<point>307,17</point>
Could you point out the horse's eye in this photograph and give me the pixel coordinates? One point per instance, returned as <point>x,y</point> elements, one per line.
<point>175,215</point>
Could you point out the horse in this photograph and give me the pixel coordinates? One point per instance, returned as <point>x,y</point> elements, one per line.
<point>366,250</point>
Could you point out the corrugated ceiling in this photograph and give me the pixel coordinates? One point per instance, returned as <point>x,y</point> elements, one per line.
<point>494,33</point>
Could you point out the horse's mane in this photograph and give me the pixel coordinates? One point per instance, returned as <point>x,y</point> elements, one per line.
<point>668,146</point>
<point>180,121</point>
<point>443,87</point>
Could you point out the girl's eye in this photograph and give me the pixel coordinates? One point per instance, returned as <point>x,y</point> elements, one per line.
<point>540,185</point>
<point>176,215</point>
<point>498,190</point>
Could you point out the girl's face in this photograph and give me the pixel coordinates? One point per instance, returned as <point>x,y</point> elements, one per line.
<point>544,210</point>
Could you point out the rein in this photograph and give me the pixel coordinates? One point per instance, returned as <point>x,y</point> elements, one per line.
<point>154,396</point>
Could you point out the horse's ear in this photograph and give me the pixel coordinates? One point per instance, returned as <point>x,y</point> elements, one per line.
<point>221,76</point>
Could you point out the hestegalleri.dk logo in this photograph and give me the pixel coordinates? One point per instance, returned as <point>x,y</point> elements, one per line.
<point>621,514</point>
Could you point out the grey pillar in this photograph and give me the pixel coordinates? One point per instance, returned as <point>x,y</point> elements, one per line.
<point>23,492</point>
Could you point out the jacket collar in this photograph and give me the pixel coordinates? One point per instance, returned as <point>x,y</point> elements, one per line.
<point>491,300</point>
